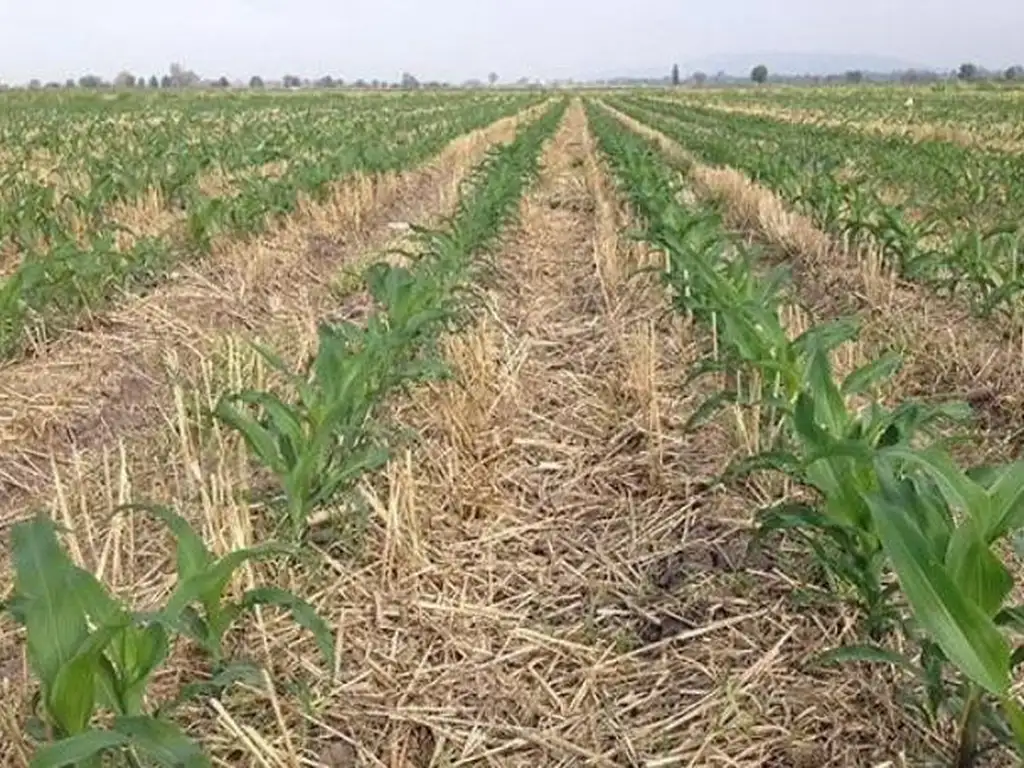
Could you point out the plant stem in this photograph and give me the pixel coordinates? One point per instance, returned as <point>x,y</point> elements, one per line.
<point>969,723</point>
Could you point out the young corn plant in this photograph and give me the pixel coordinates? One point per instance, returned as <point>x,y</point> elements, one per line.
<point>199,609</point>
<point>92,654</point>
<point>320,444</point>
<point>828,450</point>
<point>944,531</point>
<point>89,653</point>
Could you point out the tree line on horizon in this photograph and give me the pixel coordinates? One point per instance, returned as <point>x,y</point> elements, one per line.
<point>180,77</point>
<point>967,72</point>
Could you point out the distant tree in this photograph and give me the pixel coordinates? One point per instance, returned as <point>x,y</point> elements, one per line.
<point>183,78</point>
<point>854,76</point>
<point>675,74</point>
<point>409,81</point>
<point>492,78</point>
<point>968,71</point>
<point>166,81</point>
<point>221,82</point>
<point>52,84</point>
<point>154,81</point>
<point>124,80</point>
<point>69,83</point>
<point>1015,72</point>
<point>255,81</point>
<point>140,82</point>
<point>759,74</point>
<point>90,81</point>
<point>700,78</point>
<point>291,81</point>
<point>325,82</point>
<point>360,83</point>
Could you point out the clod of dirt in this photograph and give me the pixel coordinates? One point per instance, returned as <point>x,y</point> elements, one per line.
<point>666,627</point>
<point>339,754</point>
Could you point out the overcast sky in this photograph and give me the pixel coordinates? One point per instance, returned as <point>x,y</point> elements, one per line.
<point>459,39</point>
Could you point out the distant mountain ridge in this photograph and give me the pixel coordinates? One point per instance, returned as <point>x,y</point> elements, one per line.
<point>779,63</point>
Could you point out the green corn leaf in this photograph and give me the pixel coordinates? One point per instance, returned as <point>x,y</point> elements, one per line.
<point>285,420</point>
<point>302,612</point>
<point>867,376</point>
<point>259,439</point>
<point>707,409</point>
<point>94,599</point>
<point>827,336</point>
<point>1015,718</point>
<point>273,360</point>
<point>779,461</point>
<point>78,749</point>
<point>54,619</point>
<point>868,653</point>
<point>960,627</point>
<point>193,556</point>
<point>976,570</point>
<point>1007,492</point>
<point>162,741</point>
<point>142,650</point>
<point>71,699</point>
<point>806,425</point>
<point>232,673</point>
<point>958,489</point>
<point>208,587</point>
<point>355,465</point>
<point>922,499</point>
<point>792,516</point>
<point>830,408</point>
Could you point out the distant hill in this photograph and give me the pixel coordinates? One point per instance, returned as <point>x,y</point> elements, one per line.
<point>739,65</point>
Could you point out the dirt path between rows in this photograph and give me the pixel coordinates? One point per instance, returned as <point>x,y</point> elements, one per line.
<point>113,383</point>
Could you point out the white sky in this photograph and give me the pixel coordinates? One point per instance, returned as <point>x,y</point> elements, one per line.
<point>459,39</point>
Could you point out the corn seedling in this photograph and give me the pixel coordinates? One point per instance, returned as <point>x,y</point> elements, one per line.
<point>89,653</point>
<point>941,528</point>
<point>320,444</point>
<point>92,654</point>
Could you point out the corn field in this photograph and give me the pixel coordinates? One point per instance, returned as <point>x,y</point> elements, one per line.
<point>639,427</point>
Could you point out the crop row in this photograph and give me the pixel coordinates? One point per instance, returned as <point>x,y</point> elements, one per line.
<point>95,657</point>
<point>955,219</point>
<point>910,538</point>
<point>73,256</point>
<point>989,114</point>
